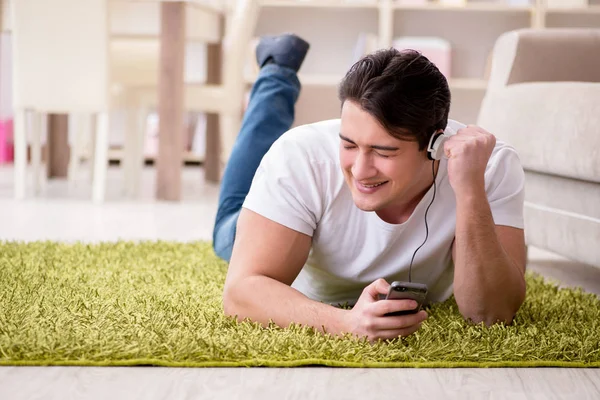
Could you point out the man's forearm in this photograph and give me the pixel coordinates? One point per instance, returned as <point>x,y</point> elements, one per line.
<point>488,285</point>
<point>263,299</point>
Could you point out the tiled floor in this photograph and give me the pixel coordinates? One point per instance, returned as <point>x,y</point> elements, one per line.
<point>64,212</point>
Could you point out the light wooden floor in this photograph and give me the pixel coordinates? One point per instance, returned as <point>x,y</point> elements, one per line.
<point>297,383</point>
<point>63,213</point>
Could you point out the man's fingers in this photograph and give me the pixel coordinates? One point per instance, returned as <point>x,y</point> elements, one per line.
<point>380,286</point>
<point>454,141</point>
<point>478,129</point>
<point>401,321</point>
<point>389,306</point>
<point>393,334</point>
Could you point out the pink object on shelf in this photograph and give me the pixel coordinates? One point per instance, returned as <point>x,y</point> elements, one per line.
<point>6,141</point>
<point>437,50</point>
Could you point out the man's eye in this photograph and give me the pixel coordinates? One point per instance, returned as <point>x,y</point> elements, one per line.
<point>349,147</point>
<point>382,156</point>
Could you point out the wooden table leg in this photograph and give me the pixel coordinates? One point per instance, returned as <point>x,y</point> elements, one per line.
<point>170,101</point>
<point>57,146</point>
<point>212,159</point>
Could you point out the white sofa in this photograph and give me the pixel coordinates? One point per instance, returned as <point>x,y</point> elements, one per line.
<point>543,98</point>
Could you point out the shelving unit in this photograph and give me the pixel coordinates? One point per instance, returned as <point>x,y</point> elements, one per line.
<point>332,27</point>
<point>320,4</point>
<point>483,7</point>
<point>327,80</point>
<point>468,84</point>
<point>591,9</point>
<point>116,155</point>
<point>310,79</point>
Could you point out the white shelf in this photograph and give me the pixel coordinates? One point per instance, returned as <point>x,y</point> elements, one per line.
<point>592,9</point>
<point>320,3</point>
<point>320,79</point>
<point>311,79</point>
<point>396,6</point>
<point>505,8</point>
<point>216,6</point>
<point>333,80</point>
<point>116,154</point>
<point>468,83</point>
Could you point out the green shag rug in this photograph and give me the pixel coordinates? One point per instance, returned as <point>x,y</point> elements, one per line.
<point>159,303</point>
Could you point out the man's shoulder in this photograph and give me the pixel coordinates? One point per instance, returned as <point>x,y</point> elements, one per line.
<point>504,166</point>
<point>322,130</point>
<point>503,151</point>
<point>319,141</point>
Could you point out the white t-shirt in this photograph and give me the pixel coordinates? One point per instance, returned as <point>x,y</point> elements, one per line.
<point>300,184</point>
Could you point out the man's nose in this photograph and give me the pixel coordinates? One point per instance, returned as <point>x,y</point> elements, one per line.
<point>363,167</point>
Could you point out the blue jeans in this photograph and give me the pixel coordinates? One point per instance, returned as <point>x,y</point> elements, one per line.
<point>270,113</point>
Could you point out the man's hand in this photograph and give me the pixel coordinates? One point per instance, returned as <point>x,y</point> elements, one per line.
<point>468,153</point>
<point>367,317</point>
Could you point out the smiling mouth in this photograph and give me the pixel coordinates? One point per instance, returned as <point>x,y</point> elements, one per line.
<point>372,186</point>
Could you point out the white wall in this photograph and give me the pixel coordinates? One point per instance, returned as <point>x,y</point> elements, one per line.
<point>6,111</point>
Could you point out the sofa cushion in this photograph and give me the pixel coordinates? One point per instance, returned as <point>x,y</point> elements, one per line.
<point>554,126</point>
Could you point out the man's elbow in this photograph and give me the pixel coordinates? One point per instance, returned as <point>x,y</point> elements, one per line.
<point>493,316</point>
<point>502,311</point>
<point>228,305</point>
<point>489,318</point>
<point>231,307</point>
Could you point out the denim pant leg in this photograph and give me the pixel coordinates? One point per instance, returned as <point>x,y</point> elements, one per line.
<point>270,113</point>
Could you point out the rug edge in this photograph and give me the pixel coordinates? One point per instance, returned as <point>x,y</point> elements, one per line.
<point>302,363</point>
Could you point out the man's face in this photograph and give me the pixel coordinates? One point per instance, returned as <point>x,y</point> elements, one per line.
<point>382,172</point>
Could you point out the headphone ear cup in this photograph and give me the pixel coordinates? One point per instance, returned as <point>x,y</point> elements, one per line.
<point>435,143</point>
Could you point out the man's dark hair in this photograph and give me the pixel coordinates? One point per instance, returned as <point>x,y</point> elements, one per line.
<point>403,90</point>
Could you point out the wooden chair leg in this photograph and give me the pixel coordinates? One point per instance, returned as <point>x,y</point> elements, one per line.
<point>100,158</point>
<point>57,144</point>
<point>212,155</point>
<point>20,144</point>
<point>36,151</point>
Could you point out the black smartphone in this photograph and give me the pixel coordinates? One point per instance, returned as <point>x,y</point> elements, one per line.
<point>406,290</point>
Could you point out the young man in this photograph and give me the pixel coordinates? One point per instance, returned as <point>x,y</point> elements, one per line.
<point>337,209</point>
